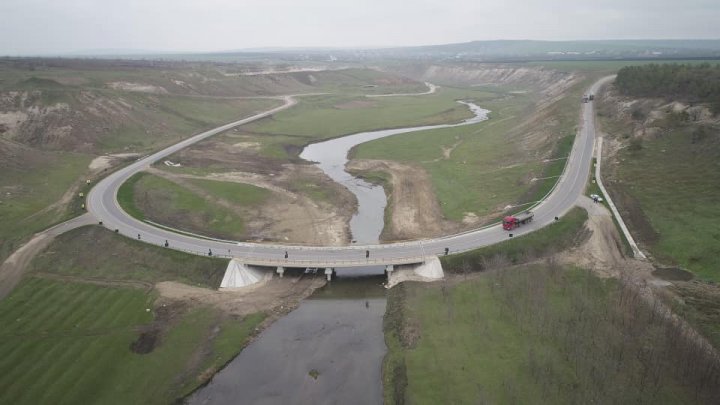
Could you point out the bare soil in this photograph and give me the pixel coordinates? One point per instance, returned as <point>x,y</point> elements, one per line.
<point>415,209</point>
<point>288,216</point>
<point>603,250</point>
<point>137,87</point>
<point>276,296</point>
<point>104,162</point>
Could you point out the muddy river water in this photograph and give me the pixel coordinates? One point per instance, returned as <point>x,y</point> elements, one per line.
<point>329,350</point>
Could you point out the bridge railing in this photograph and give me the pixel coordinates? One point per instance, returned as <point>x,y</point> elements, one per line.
<point>329,263</point>
<point>294,262</point>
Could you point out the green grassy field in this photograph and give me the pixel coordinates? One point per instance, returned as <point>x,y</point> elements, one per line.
<point>554,238</point>
<point>70,327</point>
<point>672,183</point>
<point>164,120</point>
<point>534,334</point>
<point>95,252</point>
<point>328,116</point>
<point>69,343</point>
<point>679,196</point>
<point>29,190</point>
<point>485,171</point>
<point>154,198</point>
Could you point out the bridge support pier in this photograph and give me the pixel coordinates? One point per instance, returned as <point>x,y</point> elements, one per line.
<point>329,273</point>
<point>388,270</point>
<point>280,270</point>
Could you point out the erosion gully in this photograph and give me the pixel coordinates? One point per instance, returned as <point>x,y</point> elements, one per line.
<point>329,349</point>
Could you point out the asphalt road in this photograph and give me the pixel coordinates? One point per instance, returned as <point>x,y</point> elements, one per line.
<point>102,204</point>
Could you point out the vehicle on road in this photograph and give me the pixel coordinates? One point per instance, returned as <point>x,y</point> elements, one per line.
<point>511,222</point>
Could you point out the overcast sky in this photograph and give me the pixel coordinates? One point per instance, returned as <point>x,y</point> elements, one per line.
<point>59,26</point>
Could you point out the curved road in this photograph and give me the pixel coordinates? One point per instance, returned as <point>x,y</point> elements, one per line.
<point>102,204</point>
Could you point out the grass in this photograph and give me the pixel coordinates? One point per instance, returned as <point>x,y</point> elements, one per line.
<point>457,180</point>
<point>69,343</point>
<point>206,80</point>
<point>126,196</point>
<point>67,339</point>
<point>96,252</point>
<point>29,187</point>
<point>674,181</point>
<point>323,117</point>
<point>238,193</point>
<point>536,334</point>
<point>150,197</point>
<point>699,304</point>
<point>553,169</point>
<point>551,239</point>
<point>33,178</point>
<point>486,170</point>
<point>163,120</point>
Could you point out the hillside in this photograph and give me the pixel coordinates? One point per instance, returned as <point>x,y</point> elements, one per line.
<point>64,121</point>
<point>663,170</point>
<point>688,83</point>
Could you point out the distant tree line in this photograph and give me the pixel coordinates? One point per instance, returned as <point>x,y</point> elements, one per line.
<point>690,83</point>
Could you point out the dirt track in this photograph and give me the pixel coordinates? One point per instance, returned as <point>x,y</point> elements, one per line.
<point>12,270</point>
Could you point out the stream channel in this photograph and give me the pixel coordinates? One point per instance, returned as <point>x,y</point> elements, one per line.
<point>329,349</point>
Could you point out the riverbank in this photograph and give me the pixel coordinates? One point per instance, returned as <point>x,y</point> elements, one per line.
<point>97,319</point>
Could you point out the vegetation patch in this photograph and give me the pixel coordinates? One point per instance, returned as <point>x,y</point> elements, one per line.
<point>209,207</point>
<point>667,192</point>
<point>482,168</point>
<point>76,341</point>
<point>560,235</point>
<point>86,326</point>
<point>97,253</point>
<point>31,185</point>
<point>699,303</point>
<point>126,196</point>
<point>317,118</point>
<point>693,83</point>
<point>539,334</point>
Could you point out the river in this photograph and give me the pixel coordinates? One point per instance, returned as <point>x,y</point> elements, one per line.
<point>329,349</point>
<point>332,156</point>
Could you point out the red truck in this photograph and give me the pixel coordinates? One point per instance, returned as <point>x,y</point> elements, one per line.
<point>513,221</point>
